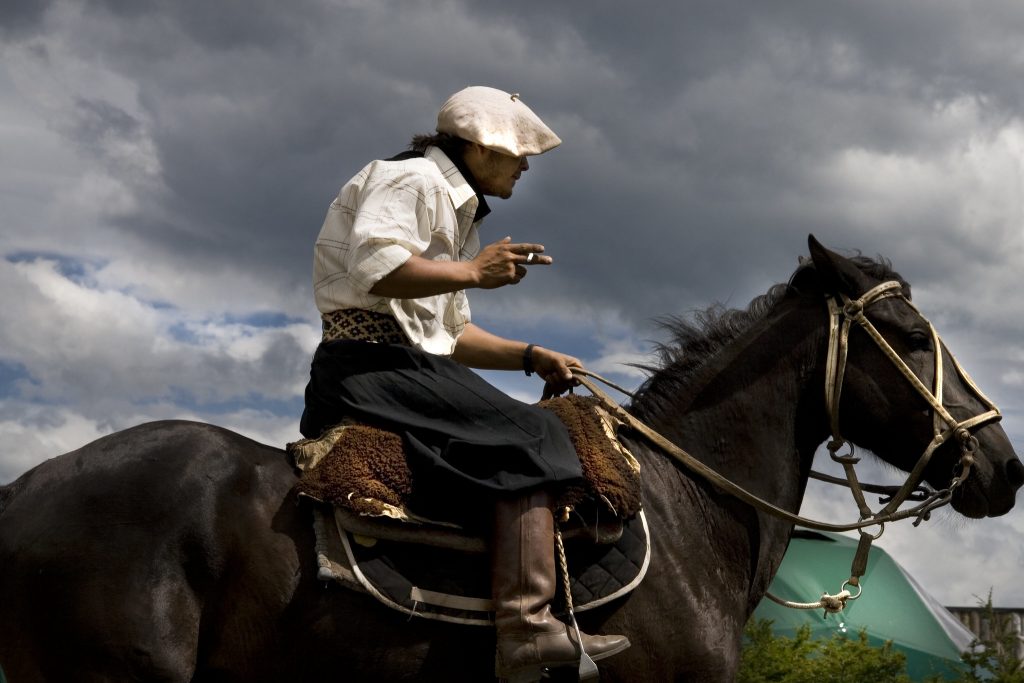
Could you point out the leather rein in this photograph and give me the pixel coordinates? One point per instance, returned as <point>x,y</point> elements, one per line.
<point>843,314</point>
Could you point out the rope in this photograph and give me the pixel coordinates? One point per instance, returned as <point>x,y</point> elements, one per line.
<point>587,669</point>
<point>721,482</point>
<point>832,604</point>
<point>920,493</point>
<point>564,566</point>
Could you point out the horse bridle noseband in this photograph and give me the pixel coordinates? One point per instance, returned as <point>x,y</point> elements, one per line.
<point>843,313</point>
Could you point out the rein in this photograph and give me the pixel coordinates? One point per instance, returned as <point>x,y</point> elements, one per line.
<point>842,315</point>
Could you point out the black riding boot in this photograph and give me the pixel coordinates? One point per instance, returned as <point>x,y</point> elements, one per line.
<point>530,638</point>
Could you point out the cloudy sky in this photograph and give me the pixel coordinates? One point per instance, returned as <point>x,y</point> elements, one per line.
<point>165,167</point>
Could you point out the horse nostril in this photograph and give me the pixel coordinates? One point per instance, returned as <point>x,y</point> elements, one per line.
<point>1015,473</point>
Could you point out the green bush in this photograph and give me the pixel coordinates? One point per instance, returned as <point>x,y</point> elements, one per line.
<point>768,658</point>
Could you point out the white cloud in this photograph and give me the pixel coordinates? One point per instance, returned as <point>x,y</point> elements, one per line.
<point>41,434</point>
<point>102,345</point>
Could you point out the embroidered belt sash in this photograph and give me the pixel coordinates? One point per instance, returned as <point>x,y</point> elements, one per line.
<point>362,325</point>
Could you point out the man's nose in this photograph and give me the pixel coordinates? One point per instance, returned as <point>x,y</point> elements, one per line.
<point>524,165</point>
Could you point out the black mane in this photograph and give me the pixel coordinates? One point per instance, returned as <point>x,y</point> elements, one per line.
<point>697,338</point>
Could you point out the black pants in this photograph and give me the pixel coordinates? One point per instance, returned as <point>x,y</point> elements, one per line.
<point>464,437</point>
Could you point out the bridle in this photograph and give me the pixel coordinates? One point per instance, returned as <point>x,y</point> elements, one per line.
<point>843,314</point>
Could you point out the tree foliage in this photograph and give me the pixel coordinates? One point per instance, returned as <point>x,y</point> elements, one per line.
<point>768,658</point>
<point>994,659</point>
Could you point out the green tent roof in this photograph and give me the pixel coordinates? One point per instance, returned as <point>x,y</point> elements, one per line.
<point>892,607</point>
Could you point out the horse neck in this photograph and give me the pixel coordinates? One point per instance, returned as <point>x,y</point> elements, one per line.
<point>753,411</point>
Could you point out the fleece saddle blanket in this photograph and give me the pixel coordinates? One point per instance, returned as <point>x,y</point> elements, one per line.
<point>363,468</point>
<point>370,538</point>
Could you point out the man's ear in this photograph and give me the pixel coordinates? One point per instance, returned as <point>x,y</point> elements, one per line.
<point>837,275</point>
<point>478,151</point>
<point>470,153</point>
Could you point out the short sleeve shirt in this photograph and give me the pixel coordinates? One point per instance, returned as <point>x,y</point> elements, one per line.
<point>388,212</point>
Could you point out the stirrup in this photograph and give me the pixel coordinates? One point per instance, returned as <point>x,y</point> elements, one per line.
<point>588,669</point>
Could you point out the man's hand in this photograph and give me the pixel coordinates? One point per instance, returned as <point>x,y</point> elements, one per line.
<point>478,348</point>
<point>504,263</point>
<point>553,368</point>
<point>497,265</point>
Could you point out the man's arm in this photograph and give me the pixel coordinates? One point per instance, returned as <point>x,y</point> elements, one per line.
<point>478,348</point>
<point>498,264</point>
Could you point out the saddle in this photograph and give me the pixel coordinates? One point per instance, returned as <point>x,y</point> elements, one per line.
<point>370,537</point>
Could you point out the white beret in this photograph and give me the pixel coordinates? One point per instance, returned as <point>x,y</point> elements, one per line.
<point>497,120</point>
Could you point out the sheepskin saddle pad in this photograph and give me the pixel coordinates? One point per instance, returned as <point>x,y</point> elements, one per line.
<point>362,470</point>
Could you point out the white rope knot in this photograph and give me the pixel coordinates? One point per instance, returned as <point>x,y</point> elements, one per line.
<point>834,603</point>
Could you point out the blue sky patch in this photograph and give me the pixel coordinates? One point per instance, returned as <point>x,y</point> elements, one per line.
<point>183,333</point>
<point>264,319</point>
<point>77,270</point>
<point>11,376</point>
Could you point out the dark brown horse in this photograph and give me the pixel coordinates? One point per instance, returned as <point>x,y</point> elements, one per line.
<point>175,551</point>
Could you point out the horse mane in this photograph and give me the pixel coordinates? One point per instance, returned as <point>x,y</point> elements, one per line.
<point>696,339</point>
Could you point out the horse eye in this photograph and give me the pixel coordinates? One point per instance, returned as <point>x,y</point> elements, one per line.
<point>919,340</point>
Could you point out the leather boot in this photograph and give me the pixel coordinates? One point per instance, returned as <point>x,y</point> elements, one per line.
<point>530,638</point>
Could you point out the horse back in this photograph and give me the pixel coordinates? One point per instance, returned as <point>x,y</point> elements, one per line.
<point>116,550</point>
<point>155,475</point>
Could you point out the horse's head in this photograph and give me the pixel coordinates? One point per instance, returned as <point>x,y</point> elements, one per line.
<point>941,425</point>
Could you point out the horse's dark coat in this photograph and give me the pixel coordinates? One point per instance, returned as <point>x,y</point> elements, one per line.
<point>174,551</point>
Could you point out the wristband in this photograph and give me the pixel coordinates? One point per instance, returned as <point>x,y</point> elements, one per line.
<point>528,360</point>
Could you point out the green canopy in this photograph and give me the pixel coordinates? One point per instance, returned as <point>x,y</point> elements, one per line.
<point>893,606</point>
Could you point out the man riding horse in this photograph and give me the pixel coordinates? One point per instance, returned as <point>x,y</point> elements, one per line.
<point>397,250</point>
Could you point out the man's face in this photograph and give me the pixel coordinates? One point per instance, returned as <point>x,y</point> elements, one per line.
<point>495,173</point>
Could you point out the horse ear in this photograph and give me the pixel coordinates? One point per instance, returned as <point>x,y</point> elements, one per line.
<point>838,275</point>
<point>805,278</point>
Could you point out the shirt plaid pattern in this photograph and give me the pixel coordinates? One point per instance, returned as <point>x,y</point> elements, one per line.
<point>387,212</point>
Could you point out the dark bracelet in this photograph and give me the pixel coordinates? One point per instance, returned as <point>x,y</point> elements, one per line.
<point>528,360</point>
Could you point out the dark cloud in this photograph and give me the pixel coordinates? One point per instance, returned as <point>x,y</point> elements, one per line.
<point>695,133</point>
<point>19,18</point>
<point>96,120</point>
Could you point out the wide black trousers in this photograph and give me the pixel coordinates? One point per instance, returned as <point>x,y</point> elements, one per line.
<point>464,437</point>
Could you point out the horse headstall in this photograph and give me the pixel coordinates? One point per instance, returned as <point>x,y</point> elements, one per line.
<point>844,312</point>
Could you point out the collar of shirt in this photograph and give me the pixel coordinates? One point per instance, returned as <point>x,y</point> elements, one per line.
<point>456,173</point>
<point>461,181</point>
